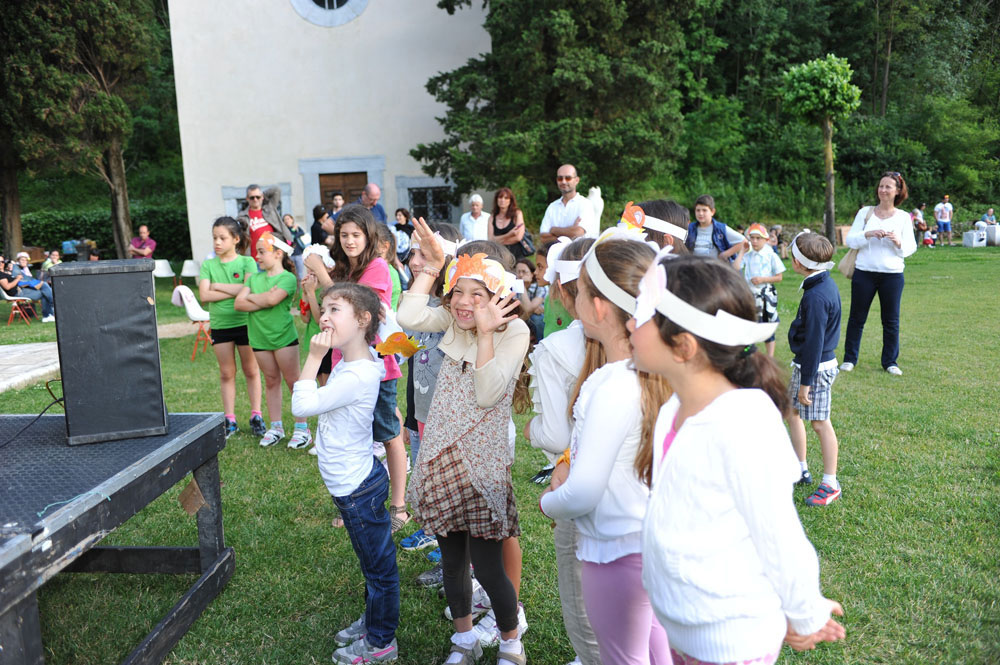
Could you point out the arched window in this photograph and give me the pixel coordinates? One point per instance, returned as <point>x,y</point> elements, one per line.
<point>329,13</point>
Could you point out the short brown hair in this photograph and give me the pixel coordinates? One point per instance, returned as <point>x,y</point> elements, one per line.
<point>363,299</point>
<point>815,246</point>
<point>705,200</point>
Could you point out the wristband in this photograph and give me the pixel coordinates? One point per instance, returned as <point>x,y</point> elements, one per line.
<point>564,458</point>
<point>433,272</point>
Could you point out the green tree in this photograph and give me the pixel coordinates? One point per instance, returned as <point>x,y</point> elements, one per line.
<point>72,71</point>
<point>820,91</point>
<point>589,83</point>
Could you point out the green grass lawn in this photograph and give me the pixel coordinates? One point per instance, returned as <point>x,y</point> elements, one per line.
<point>910,550</point>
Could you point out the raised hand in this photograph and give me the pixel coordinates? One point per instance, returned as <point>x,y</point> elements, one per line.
<point>321,343</point>
<point>493,313</point>
<point>429,245</point>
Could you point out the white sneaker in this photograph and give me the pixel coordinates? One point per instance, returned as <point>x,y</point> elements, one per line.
<point>480,601</point>
<point>272,436</point>
<point>300,438</point>
<point>894,370</point>
<point>489,633</point>
<point>846,367</point>
<point>313,451</point>
<point>51,318</point>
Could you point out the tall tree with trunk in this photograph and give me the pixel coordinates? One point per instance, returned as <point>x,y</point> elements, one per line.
<point>70,73</point>
<point>820,91</point>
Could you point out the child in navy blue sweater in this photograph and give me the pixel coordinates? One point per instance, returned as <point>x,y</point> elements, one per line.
<point>813,338</point>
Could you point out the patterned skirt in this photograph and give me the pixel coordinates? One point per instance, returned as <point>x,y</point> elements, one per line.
<point>448,502</point>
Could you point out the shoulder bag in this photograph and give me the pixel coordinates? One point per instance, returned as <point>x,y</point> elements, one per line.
<point>846,265</point>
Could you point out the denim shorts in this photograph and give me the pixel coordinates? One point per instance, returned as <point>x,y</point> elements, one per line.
<point>385,426</point>
<point>944,227</point>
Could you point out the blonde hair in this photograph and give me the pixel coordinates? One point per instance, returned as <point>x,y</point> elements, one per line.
<point>625,262</point>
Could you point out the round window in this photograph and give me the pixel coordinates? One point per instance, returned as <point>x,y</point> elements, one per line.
<point>329,13</point>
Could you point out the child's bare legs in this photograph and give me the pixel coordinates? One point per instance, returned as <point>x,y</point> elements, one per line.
<point>227,375</point>
<point>395,457</point>
<point>252,373</point>
<point>272,383</point>
<point>769,346</point>
<point>797,432</point>
<point>828,444</point>
<point>287,360</point>
<point>511,553</point>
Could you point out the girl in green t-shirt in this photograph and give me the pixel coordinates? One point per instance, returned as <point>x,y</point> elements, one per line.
<point>268,297</point>
<point>221,279</point>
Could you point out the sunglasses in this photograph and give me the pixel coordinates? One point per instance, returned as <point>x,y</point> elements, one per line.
<point>254,198</point>
<point>892,174</point>
<point>565,177</point>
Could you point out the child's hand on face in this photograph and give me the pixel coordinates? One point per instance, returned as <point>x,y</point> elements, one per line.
<point>494,313</point>
<point>321,343</point>
<point>804,398</point>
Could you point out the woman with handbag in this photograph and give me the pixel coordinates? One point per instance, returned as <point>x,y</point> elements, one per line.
<point>507,225</point>
<point>882,238</point>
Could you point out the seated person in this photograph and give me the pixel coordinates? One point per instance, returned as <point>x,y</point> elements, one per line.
<point>16,280</point>
<point>989,217</point>
<point>52,260</point>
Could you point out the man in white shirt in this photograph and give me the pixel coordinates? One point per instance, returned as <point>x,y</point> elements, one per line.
<point>472,226</point>
<point>571,214</point>
<point>942,213</point>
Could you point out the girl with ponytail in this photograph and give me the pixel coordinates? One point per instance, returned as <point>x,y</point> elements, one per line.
<point>607,489</point>
<point>727,566</point>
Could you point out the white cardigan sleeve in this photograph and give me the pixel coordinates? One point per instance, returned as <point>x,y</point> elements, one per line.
<point>605,426</point>
<point>856,236</point>
<point>788,558</point>
<point>551,428</point>
<point>413,313</point>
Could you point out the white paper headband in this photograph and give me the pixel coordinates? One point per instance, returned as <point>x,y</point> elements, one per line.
<point>722,327</point>
<point>609,289</point>
<point>552,258</point>
<point>806,261</point>
<point>635,217</point>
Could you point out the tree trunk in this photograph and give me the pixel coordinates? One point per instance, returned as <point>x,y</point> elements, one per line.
<point>829,215</point>
<point>888,54</point>
<point>11,198</point>
<point>121,220</point>
<point>875,53</point>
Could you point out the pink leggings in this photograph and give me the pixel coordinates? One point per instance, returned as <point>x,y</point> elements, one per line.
<point>620,613</point>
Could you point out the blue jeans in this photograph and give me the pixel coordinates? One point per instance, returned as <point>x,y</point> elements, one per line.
<point>864,286</point>
<point>367,522</point>
<point>42,292</point>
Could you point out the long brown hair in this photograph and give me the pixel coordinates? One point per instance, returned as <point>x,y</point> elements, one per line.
<point>710,286</point>
<point>625,262</point>
<point>342,270</point>
<point>511,209</point>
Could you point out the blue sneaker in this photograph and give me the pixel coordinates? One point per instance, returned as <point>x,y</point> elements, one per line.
<point>418,540</point>
<point>434,556</point>
<point>231,428</point>
<point>257,426</point>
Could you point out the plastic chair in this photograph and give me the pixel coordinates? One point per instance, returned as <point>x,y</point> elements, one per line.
<point>190,268</point>
<point>19,306</point>
<point>161,268</point>
<point>184,297</point>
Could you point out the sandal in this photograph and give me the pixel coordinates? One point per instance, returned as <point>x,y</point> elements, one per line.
<point>470,655</point>
<point>519,659</point>
<point>397,521</point>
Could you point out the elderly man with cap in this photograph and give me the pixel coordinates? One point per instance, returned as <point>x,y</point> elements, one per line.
<point>943,213</point>
<point>473,225</point>
<point>762,269</point>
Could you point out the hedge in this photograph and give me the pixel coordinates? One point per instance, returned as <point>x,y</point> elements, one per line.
<point>168,226</point>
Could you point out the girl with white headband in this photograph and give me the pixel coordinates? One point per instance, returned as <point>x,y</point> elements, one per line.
<point>607,490</point>
<point>460,489</point>
<point>729,570</point>
<point>268,296</point>
<point>556,369</point>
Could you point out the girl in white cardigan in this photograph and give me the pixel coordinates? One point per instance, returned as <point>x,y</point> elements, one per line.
<point>729,570</point>
<point>607,489</point>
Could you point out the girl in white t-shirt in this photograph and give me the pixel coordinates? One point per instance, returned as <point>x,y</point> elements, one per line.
<point>356,479</point>
<point>729,570</point>
<point>607,490</point>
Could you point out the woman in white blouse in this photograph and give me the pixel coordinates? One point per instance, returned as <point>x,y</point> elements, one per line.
<point>883,236</point>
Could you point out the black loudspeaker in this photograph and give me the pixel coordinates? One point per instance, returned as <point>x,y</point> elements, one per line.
<point>109,352</point>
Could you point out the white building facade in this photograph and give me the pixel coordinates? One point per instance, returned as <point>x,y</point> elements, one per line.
<point>315,96</point>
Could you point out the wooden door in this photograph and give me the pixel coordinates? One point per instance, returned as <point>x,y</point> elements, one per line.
<point>349,185</point>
